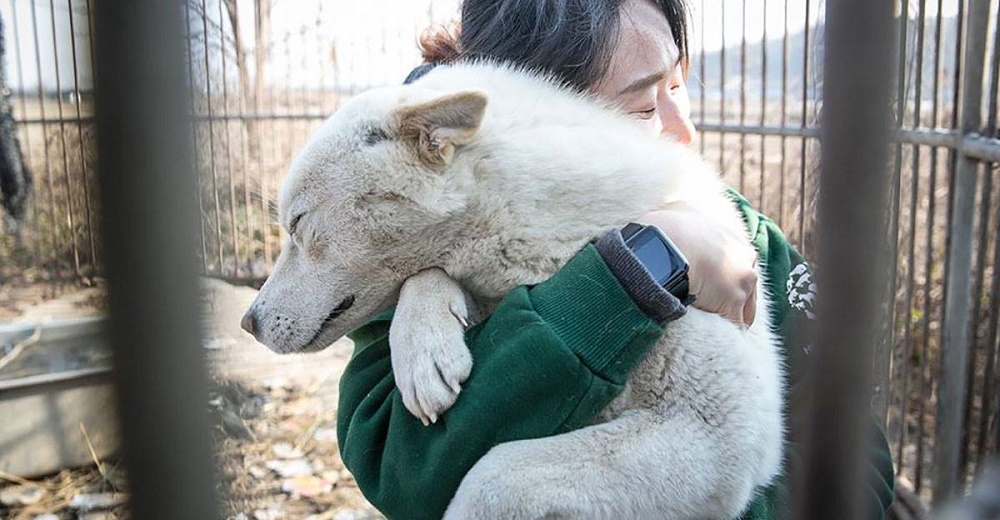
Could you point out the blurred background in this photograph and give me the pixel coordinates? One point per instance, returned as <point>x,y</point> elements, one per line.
<point>264,74</point>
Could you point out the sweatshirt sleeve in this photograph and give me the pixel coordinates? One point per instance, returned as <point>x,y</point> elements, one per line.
<point>545,362</point>
<point>792,292</point>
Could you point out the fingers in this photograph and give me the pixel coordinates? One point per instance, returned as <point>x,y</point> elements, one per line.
<point>750,309</point>
<point>740,304</point>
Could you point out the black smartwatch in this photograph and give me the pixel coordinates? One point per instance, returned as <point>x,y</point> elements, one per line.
<point>661,258</point>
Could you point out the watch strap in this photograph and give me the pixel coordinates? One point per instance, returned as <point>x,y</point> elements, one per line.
<point>682,289</point>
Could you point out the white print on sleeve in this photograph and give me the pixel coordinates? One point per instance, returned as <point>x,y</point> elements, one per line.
<point>801,290</point>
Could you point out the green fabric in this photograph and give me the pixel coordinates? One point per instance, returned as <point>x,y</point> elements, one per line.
<point>575,337</point>
<point>576,367</point>
<point>790,290</point>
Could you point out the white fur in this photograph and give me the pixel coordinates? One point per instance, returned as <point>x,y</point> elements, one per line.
<point>698,427</point>
<point>429,357</point>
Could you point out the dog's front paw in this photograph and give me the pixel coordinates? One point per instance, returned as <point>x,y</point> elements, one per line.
<point>427,341</point>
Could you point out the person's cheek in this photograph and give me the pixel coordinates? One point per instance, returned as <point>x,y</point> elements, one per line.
<point>683,100</point>
<point>654,125</point>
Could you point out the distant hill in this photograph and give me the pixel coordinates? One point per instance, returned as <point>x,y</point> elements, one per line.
<point>796,59</point>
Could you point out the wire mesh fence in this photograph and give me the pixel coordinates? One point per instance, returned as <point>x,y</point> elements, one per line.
<point>758,101</point>
<point>264,73</point>
<point>49,53</point>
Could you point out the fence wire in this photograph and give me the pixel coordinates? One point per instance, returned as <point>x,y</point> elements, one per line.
<point>263,76</point>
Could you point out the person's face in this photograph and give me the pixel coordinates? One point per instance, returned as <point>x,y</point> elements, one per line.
<point>646,77</point>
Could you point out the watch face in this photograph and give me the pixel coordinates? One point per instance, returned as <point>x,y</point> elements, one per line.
<point>659,256</point>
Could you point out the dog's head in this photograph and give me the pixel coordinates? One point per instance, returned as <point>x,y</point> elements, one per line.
<point>359,205</point>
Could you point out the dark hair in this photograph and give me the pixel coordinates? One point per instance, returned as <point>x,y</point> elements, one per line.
<point>570,39</point>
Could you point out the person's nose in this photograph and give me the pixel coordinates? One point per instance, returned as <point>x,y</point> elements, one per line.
<point>674,123</point>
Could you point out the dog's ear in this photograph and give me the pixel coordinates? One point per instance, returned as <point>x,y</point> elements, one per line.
<point>434,128</point>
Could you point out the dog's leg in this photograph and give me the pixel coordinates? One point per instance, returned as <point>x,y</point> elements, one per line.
<point>642,465</point>
<point>430,360</point>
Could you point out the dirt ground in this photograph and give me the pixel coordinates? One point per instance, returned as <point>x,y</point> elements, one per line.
<point>273,420</point>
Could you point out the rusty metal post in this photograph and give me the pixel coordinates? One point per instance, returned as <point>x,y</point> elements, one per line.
<point>853,180</point>
<point>957,307</point>
<point>149,201</point>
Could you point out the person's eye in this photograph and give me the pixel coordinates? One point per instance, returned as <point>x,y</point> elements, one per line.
<point>645,114</point>
<point>674,89</point>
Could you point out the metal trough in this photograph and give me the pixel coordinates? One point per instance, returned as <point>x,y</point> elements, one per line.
<point>57,406</point>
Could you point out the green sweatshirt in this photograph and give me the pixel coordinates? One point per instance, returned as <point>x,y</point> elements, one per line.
<point>541,350</point>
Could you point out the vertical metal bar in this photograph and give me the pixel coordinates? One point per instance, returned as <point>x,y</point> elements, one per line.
<point>929,259</point>
<point>260,58</point>
<point>79,128</point>
<point>743,98</point>
<point>234,226</point>
<point>763,106</point>
<point>53,217</point>
<point>703,79</point>
<point>26,131</point>
<point>352,71</point>
<point>989,389</point>
<point>953,154</point>
<point>914,191</point>
<point>955,350</point>
<point>266,197</point>
<point>148,207</point>
<point>303,100</point>
<point>894,233</point>
<point>722,90</point>
<point>242,126</point>
<point>194,135</point>
<point>979,277</point>
<point>289,123</point>
<point>211,140</point>
<point>977,307</point>
<point>322,106</point>
<point>804,124</point>
<point>70,190</point>
<point>784,119</point>
<point>925,343</point>
<point>994,294</point>
<point>280,145</point>
<point>854,139</point>
<point>91,46</point>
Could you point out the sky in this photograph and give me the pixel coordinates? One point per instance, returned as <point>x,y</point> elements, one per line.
<point>373,40</point>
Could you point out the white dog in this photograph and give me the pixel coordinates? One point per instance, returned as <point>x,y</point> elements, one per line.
<point>487,178</point>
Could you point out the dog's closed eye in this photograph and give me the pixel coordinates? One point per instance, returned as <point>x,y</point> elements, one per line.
<point>294,224</point>
<point>375,135</point>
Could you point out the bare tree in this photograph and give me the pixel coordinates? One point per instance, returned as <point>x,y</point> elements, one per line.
<point>232,9</point>
<point>261,47</point>
<point>255,92</point>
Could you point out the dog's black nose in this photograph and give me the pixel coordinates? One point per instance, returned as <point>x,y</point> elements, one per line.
<point>249,323</point>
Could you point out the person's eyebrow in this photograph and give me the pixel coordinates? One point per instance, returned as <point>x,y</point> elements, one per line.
<point>643,83</point>
<point>648,81</point>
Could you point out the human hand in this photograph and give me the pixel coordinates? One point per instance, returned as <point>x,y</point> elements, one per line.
<point>722,274</point>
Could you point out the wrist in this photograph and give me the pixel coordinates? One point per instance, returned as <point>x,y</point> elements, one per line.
<point>654,300</point>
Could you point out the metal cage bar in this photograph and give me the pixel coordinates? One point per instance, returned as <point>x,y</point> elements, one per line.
<point>240,240</point>
<point>957,299</point>
<point>855,140</point>
<point>148,201</point>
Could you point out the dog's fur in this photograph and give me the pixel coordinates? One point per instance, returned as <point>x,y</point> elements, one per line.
<point>494,178</point>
